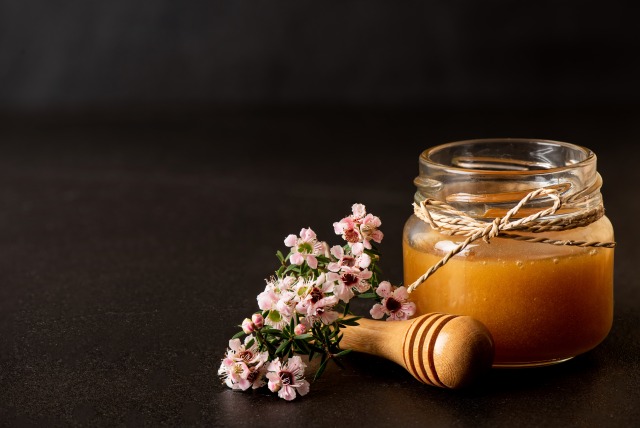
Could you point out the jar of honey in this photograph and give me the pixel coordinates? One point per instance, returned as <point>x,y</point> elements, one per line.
<point>543,288</point>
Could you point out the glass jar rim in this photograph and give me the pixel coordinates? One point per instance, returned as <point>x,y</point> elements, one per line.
<point>427,156</point>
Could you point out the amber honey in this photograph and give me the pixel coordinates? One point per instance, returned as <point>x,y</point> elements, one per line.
<point>542,303</point>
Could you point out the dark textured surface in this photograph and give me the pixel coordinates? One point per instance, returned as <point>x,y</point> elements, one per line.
<point>129,251</point>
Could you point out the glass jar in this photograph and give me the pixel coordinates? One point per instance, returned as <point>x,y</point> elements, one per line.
<point>542,303</point>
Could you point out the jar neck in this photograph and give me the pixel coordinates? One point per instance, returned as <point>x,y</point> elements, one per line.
<point>486,178</point>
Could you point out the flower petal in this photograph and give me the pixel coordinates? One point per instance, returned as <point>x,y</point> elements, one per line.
<point>364,260</point>
<point>235,345</point>
<point>291,240</point>
<point>307,235</point>
<point>274,366</point>
<point>384,289</point>
<point>312,261</point>
<point>409,308</point>
<point>337,251</point>
<point>357,248</point>
<point>358,210</point>
<point>303,388</point>
<point>401,294</point>
<point>287,392</point>
<point>295,363</point>
<point>377,311</point>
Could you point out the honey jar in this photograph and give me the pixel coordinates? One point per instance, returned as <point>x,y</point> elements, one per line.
<point>528,249</point>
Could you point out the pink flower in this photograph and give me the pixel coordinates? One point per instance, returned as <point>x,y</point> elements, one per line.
<point>318,301</point>
<point>239,352</point>
<point>305,248</point>
<point>277,299</point>
<point>349,230</point>
<point>395,303</point>
<point>369,230</point>
<point>235,374</point>
<point>287,378</point>
<point>359,229</point>
<point>351,279</point>
<point>347,261</point>
<point>242,367</point>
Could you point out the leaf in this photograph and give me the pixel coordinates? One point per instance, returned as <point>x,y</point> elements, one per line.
<point>290,268</point>
<point>321,369</point>
<point>302,346</point>
<point>238,335</point>
<point>280,256</point>
<point>346,310</point>
<point>349,321</point>
<point>334,333</point>
<point>303,336</point>
<point>250,343</point>
<point>343,353</point>
<point>317,349</point>
<point>284,345</point>
<point>312,354</point>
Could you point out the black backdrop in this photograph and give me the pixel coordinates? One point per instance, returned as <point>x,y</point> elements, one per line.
<point>170,54</point>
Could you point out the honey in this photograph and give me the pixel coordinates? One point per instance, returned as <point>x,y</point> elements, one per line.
<point>542,303</point>
<point>539,307</point>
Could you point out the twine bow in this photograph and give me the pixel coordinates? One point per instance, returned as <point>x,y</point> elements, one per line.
<point>447,220</point>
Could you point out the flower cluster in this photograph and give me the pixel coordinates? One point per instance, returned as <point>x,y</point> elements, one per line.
<point>306,303</point>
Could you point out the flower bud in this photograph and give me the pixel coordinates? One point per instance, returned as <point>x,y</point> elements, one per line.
<point>258,320</point>
<point>300,329</point>
<point>248,326</point>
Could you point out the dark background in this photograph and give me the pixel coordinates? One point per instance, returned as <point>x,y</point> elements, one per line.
<point>166,54</point>
<point>155,154</point>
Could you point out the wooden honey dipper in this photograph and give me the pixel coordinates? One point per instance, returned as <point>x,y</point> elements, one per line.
<point>449,351</point>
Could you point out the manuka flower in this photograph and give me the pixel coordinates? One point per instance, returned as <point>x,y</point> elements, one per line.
<point>350,279</point>
<point>359,229</point>
<point>277,299</point>
<point>305,248</point>
<point>394,303</point>
<point>345,260</point>
<point>317,300</point>
<point>242,366</point>
<point>369,230</point>
<point>287,378</point>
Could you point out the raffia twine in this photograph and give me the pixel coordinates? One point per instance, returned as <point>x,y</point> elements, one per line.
<point>449,221</point>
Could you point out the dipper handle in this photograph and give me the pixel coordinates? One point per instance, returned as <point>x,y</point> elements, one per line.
<point>449,351</point>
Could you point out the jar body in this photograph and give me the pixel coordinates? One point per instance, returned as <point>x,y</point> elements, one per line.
<point>542,303</point>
